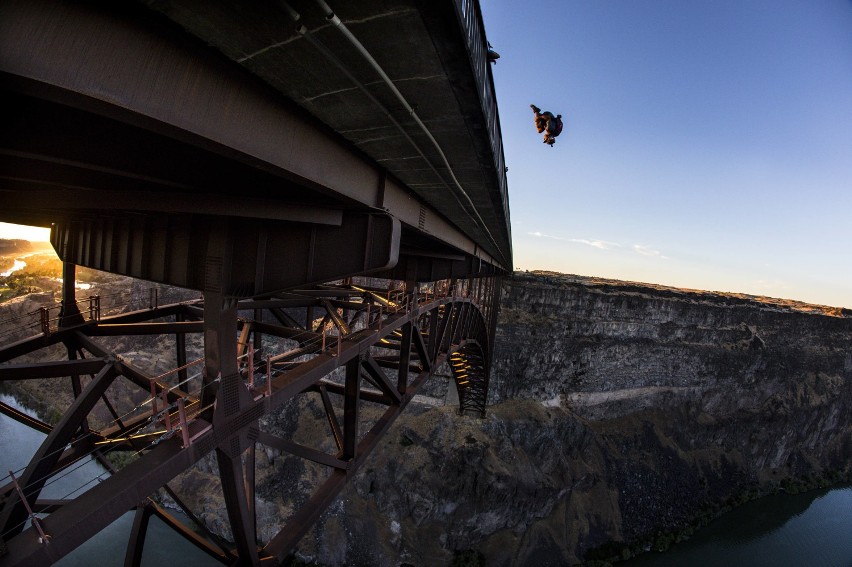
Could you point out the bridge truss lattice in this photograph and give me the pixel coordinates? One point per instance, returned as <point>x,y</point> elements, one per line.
<point>360,348</point>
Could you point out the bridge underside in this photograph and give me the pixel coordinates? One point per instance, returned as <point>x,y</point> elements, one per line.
<point>116,109</point>
<point>339,253</point>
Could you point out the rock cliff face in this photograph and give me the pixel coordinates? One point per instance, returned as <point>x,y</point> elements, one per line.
<point>620,411</point>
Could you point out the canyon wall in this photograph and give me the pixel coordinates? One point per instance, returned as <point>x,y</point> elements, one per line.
<point>620,412</point>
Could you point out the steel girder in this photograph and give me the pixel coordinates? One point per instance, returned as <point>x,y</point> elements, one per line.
<point>236,256</point>
<point>385,340</point>
<point>109,105</point>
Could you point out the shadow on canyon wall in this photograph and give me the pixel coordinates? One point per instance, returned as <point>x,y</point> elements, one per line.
<point>620,413</point>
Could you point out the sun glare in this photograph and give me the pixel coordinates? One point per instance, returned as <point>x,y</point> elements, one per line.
<point>24,232</point>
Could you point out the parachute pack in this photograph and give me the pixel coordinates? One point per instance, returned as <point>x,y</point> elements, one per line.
<point>554,125</point>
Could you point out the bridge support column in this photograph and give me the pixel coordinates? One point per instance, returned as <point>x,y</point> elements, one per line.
<point>220,314</point>
<point>240,513</point>
<point>351,403</point>
<point>230,394</point>
<point>136,542</point>
<point>69,314</point>
<point>220,359</point>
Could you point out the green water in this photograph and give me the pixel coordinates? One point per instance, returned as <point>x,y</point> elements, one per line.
<point>811,529</point>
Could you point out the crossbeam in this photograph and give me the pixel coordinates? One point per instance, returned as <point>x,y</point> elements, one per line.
<point>233,430</point>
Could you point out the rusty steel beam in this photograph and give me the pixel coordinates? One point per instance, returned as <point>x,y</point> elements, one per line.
<point>90,512</point>
<point>219,550</point>
<point>14,513</point>
<point>235,429</point>
<point>300,523</point>
<point>365,394</point>
<point>351,408</point>
<point>404,357</point>
<point>180,350</point>
<point>128,329</point>
<point>240,513</point>
<point>143,140</point>
<point>381,380</point>
<point>272,303</point>
<point>144,315</point>
<point>32,344</point>
<point>364,242</point>
<point>125,368</point>
<point>24,418</point>
<point>223,556</point>
<point>136,540</point>
<point>422,351</point>
<point>48,505</point>
<point>171,203</point>
<point>298,450</point>
<point>35,370</point>
<point>295,332</point>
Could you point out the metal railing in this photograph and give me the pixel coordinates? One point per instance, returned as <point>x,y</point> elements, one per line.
<point>46,319</point>
<point>470,18</point>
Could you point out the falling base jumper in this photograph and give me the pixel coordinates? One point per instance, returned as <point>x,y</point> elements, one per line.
<point>547,123</point>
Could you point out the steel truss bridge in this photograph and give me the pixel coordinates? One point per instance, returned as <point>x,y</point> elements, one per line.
<point>332,185</point>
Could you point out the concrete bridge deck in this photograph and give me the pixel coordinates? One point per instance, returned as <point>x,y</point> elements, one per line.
<point>263,112</point>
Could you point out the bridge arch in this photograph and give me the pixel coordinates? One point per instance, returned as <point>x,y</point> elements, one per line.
<point>355,352</point>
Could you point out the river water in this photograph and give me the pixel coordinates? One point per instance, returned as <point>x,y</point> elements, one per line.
<point>106,549</point>
<point>810,529</point>
<point>18,265</point>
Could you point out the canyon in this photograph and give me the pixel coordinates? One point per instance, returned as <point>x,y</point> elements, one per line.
<point>622,416</point>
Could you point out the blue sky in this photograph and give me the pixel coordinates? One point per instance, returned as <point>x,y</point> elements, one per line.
<point>707,144</point>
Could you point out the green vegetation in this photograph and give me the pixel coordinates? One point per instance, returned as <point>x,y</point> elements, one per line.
<point>89,275</point>
<point>43,272</point>
<point>120,459</point>
<point>40,404</point>
<point>39,274</point>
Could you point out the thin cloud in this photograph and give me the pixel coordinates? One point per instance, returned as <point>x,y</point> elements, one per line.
<point>648,251</point>
<point>772,285</point>
<point>542,235</point>
<point>600,244</point>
